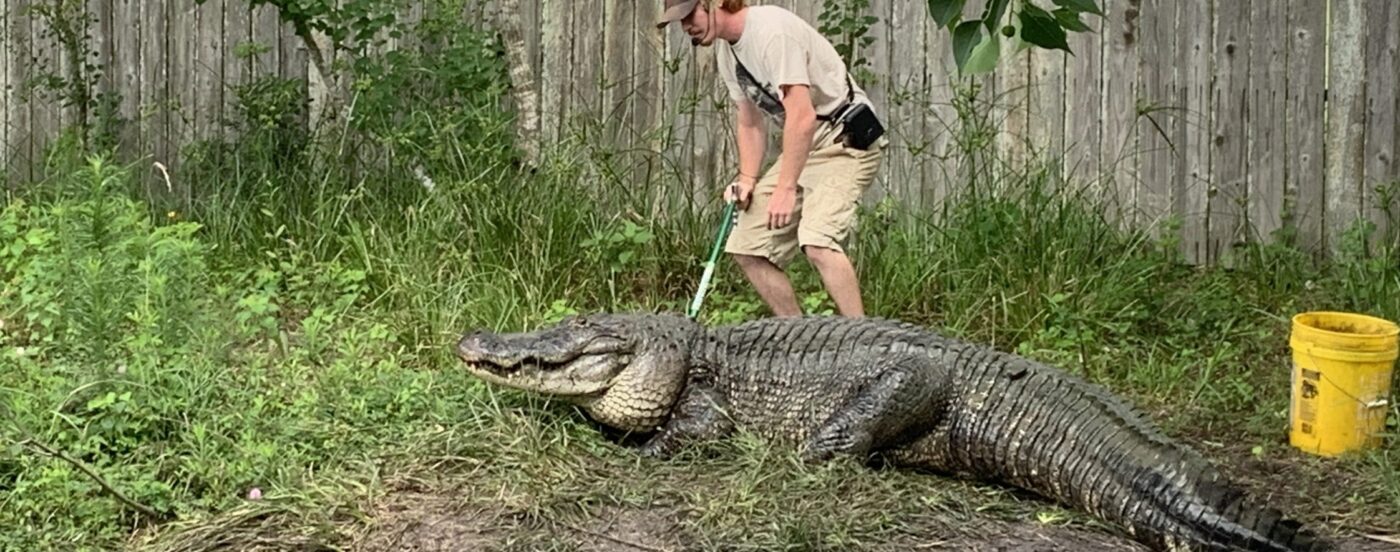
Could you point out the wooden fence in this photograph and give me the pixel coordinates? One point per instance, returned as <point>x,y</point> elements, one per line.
<point>1234,117</point>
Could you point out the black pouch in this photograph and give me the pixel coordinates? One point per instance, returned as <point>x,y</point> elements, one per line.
<point>860,127</point>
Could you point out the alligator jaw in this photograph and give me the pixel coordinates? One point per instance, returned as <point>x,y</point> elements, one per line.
<point>625,370</point>
<point>568,364</point>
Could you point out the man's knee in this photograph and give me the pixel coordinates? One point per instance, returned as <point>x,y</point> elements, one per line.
<point>820,255</point>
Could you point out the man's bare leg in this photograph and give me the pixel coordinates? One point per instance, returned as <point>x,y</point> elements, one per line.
<point>839,276</point>
<point>772,284</point>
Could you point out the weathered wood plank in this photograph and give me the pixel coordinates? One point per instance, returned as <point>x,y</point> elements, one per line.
<point>1162,109</point>
<point>21,112</point>
<point>99,51</point>
<point>1382,114</point>
<point>208,68</point>
<point>1045,113</point>
<point>1346,119</point>
<point>1012,105</point>
<point>43,112</point>
<point>1119,151</point>
<point>873,77</point>
<point>183,53</point>
<point>1084,121</point>
<point>293,59</point>
<point>266,36</point>
<point>586,38</point>
<point>650,68</point>
<point>1267,152</point>
<point>937,169</point>
<point>907,96</point>
<point>1193,178</point>
<point>618,39</point>
<point>237,33</point>
<point>154,82</point>
<point>126,70</point>
<point>554,89</point>
<point>1303,192</point>
<point>7,98</point>
<point>1229,155</point>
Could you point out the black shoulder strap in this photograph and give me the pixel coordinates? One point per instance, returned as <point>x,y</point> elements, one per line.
<point>850,88</point>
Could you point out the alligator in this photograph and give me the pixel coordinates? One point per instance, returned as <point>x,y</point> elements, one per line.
<point>887,392</point>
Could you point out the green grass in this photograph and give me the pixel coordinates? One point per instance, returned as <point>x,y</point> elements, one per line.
<point>290,330</point>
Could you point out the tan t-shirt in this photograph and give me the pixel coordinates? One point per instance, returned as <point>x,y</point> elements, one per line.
<point>778,48</point>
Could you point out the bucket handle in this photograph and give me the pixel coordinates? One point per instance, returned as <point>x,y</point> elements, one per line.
<point>1378,403</point>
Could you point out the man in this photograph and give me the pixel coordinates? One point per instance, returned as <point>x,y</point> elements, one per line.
<point>775,64</point>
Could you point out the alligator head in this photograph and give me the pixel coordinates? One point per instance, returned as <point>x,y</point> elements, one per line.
<point>625,370</point>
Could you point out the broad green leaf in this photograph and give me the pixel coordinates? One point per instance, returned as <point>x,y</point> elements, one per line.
<point>1038,27</point>
<point>944,12</point>
<point>985,55</point>
<point>995,9</point>
<point>966,36</point>
<point>1080,6</point>
<point>1069,19</point>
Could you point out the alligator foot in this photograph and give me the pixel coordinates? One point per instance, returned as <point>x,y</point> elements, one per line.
<point>895,405</point>
<point>699,416</point>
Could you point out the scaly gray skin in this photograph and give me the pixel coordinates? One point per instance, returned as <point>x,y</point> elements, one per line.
<point>893,392</point>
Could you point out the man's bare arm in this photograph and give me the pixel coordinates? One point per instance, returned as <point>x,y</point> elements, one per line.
<point>799,126</point>
<point>752,141</point>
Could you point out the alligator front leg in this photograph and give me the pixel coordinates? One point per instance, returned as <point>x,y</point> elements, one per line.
<point>699,415</point>
<point>906,399</point>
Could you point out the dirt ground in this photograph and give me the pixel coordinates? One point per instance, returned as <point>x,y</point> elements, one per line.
<point>414,521</point>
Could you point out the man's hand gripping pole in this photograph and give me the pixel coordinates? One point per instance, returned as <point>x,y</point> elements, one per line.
<point>723,233</point>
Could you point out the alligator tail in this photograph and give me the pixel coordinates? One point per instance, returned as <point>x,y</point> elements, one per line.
<point>1048,431</point>
<point>1212,514</point>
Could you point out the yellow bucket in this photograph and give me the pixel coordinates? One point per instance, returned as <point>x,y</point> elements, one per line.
<point>1342,365</point>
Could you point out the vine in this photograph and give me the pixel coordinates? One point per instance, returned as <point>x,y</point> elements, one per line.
<point>848,26</point>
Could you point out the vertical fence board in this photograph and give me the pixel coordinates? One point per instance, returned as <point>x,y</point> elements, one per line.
<point>1346,119</point>
<point>99,50</point>
<point>1012,105</point>
<point>126,54</point>
<point>873,77</point>
<point>587,38</point>
<point>43,112</point>
<point>7,98</point>
<point>1194,177</point>
<point>1229,141</point>
<point>555,68</point>
<point>650,68</point>
<point>1045,113</point>
<point>908,94</point>
<point>937,170</point>
<point>293,59</point>
<point>1268,115</point>
<point>154,79</point>
<point>21,114</point>
<point>208,68</point>
<point>619,85</point>
<point>1119,155</point>
<point>183,45</point>
<point>1303,199</point>
<point>1156,89</point>
<point>237,66</point>
<point>265,35</point>
<point>1083,95</point>
<point>1383,112</point>
<point>530,27</point>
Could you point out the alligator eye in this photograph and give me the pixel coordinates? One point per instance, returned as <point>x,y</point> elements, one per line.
<point>624,359</point>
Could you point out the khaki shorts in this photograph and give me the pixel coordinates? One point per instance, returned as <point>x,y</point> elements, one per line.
<point>828,191</point>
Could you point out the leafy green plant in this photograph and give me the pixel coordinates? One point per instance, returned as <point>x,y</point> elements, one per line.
<point>977,42</point>
<point>848,24</point>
